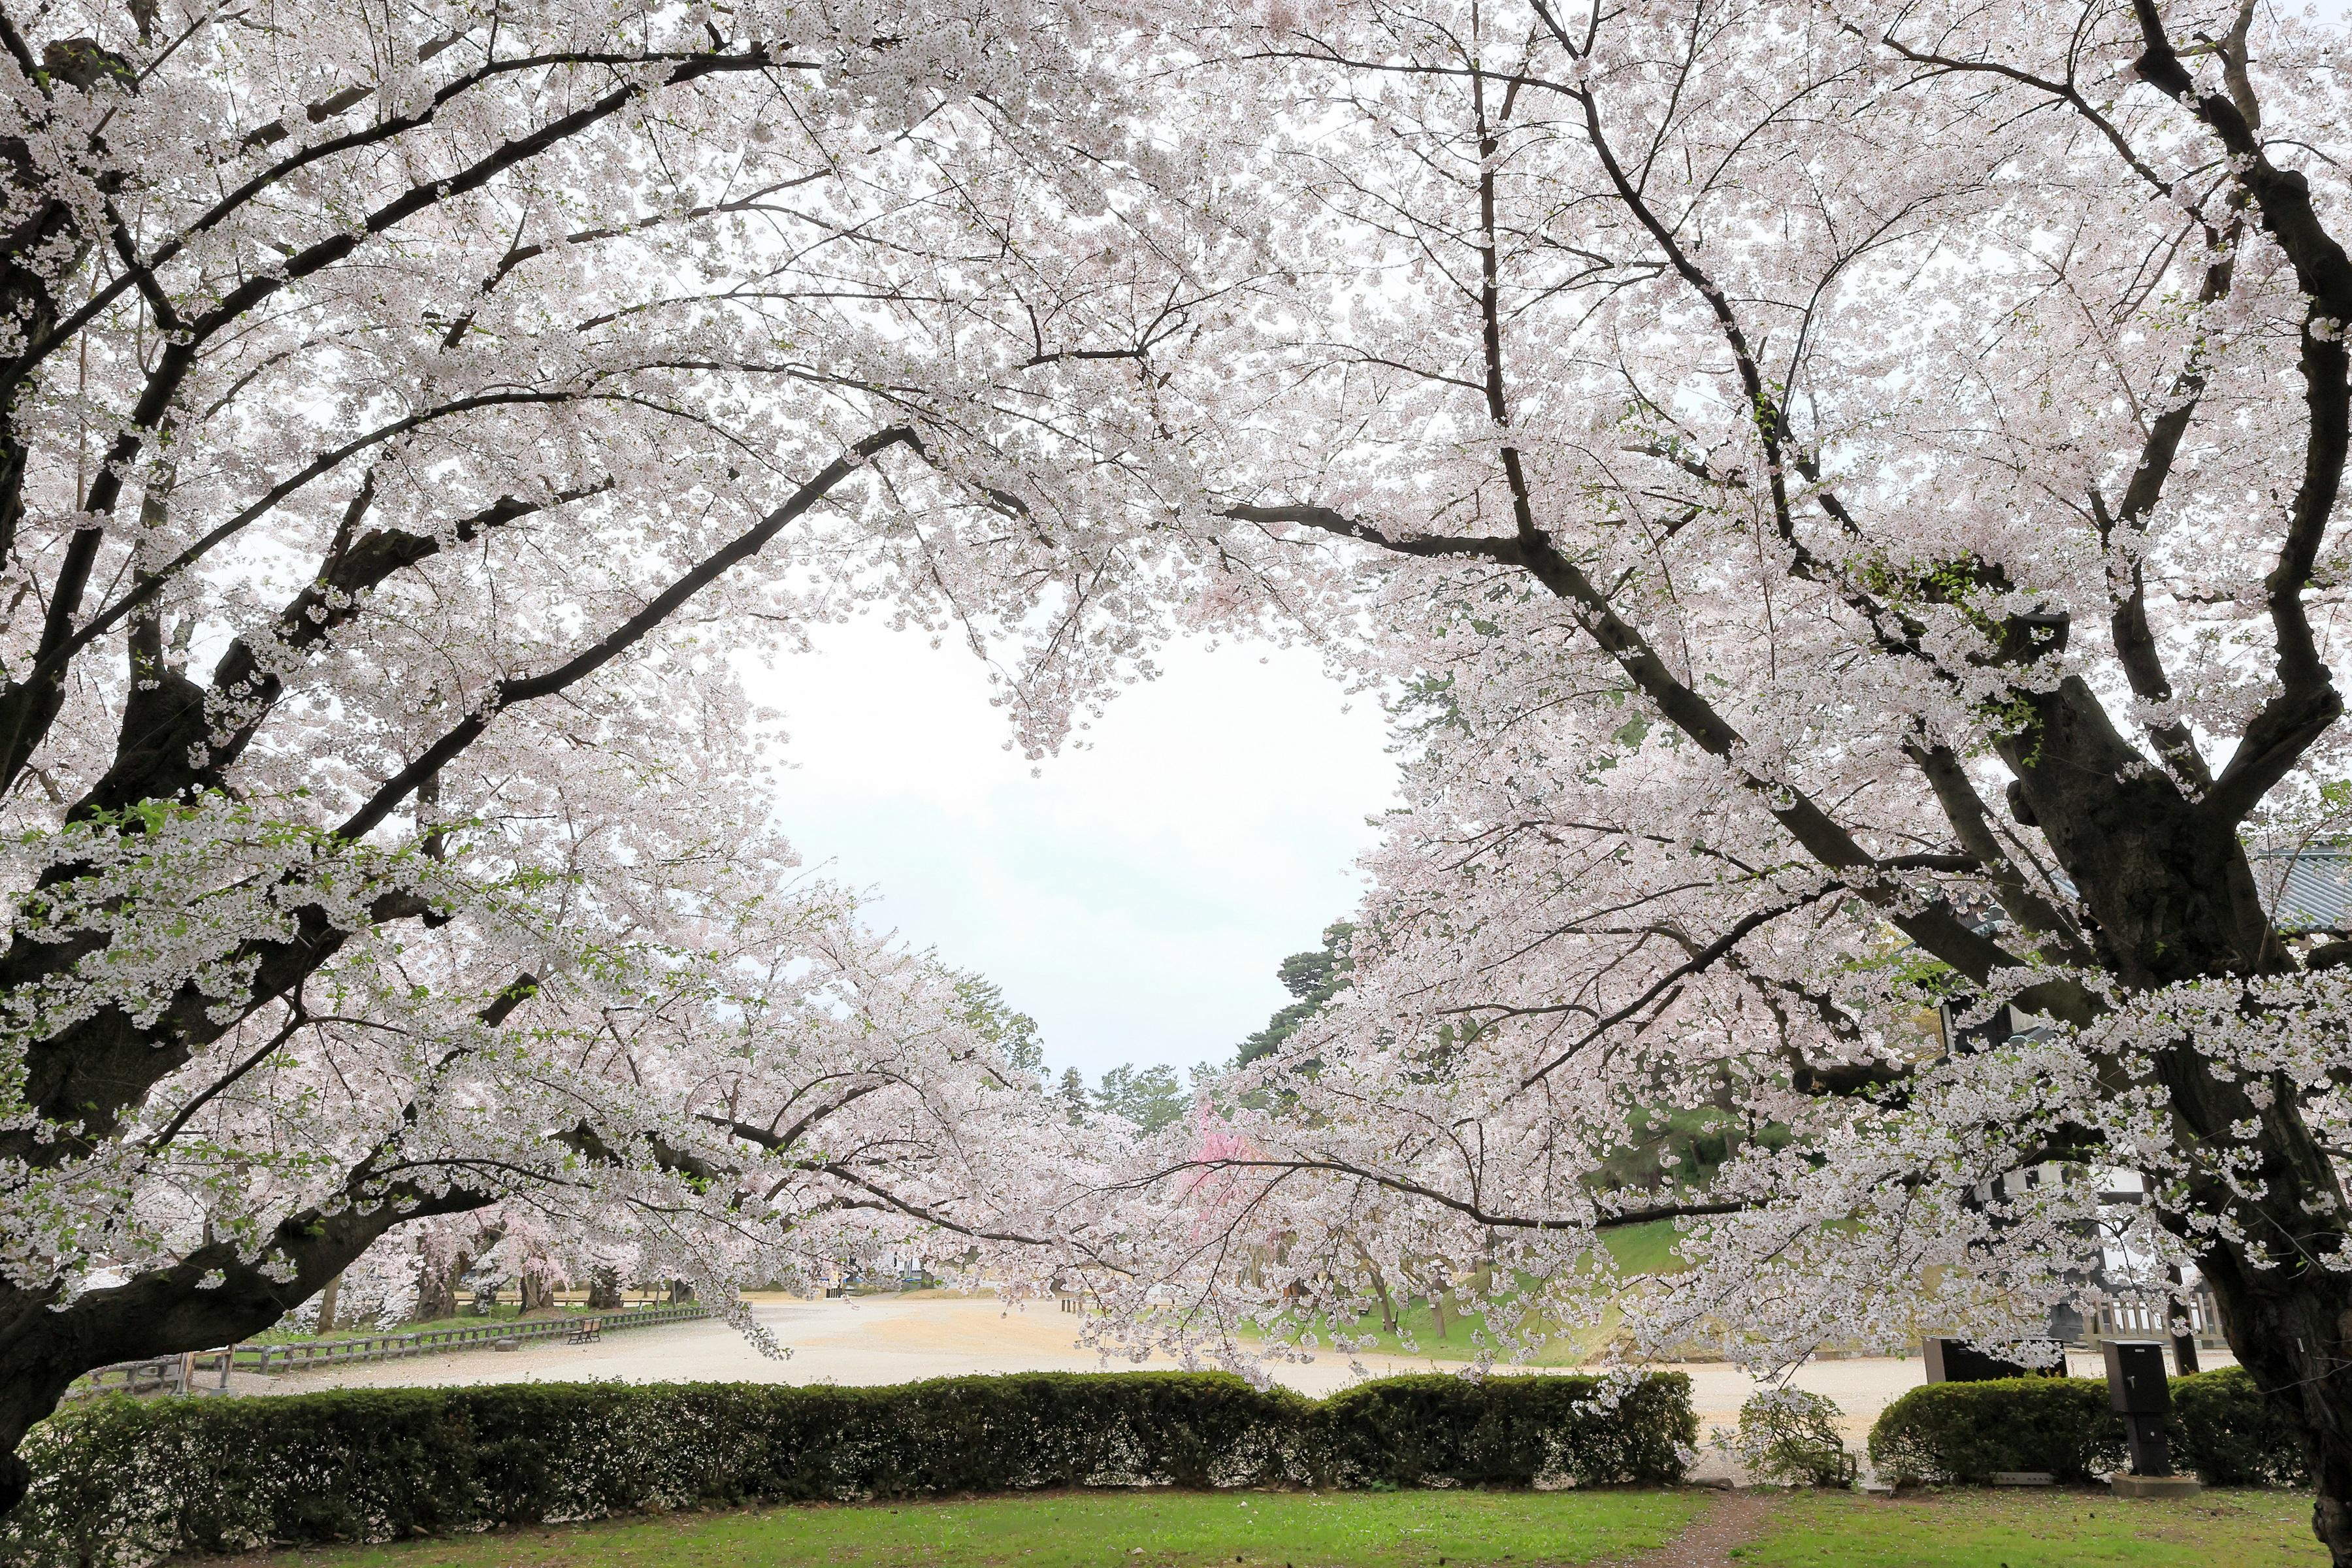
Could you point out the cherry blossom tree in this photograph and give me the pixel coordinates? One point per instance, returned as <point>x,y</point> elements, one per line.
<point>410,420</point>
<point>1846,490</point>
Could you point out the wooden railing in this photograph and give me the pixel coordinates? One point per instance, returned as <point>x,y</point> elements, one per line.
<point>208,1372</point>
<point>200,1372</point>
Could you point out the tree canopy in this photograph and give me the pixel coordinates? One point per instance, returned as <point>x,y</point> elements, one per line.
<point>1851,487</point>
<point>1856,485</point>
<point>407,418</point>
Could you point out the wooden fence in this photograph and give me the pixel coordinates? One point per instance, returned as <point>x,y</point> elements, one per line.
<point>208,1372</point>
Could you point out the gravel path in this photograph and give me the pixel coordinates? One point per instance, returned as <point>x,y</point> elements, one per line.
<point>854,1340</point>
<point>876,1339</point>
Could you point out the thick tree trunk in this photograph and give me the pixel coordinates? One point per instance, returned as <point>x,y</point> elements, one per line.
<point>2173,899</point>
<point>2287,1315</point>
<point>436,1289</point>
<point>328,1299</point>
<point>2290,1328</point>
<point>162,1312</point>
<point>36,1368</point>
<point>214,1295</point>
<point>23,1406</point>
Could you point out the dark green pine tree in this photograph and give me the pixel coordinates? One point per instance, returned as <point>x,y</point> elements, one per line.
<point>1314,977</point>
<point>1073,1092</point>
<point>1150,1097</point>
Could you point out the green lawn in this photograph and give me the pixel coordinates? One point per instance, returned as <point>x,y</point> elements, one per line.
<point>1404,1530</point>
<point>2033,1529</point>
<point>1644,1248</point>
<point>1089,1530</point>
<point>1960,1529</point>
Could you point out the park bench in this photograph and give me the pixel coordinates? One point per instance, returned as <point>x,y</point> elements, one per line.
<point>586,1332</point>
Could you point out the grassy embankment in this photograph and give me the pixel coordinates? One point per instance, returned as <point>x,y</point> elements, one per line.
<point>1637,1249</point>
<point>1404,1530</point>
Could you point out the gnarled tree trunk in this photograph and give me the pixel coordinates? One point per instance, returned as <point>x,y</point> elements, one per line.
<point>2174,899</point>
<point>604,1289</point>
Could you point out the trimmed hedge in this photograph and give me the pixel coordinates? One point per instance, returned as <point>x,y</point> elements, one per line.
<point>2230,1434</point>
<point>2221,1429</point>
<point>1967,1431</point>
<point>1501,1431</point>
<point>122,1481</point>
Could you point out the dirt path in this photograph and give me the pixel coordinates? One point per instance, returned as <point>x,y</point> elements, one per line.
<point>1735,1520</point>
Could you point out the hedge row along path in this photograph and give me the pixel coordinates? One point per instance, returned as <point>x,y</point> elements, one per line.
<point>126,1483</point>
<point>2220,1430</point>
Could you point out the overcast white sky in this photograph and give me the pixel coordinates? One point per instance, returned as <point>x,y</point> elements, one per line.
<point>1136,898</point>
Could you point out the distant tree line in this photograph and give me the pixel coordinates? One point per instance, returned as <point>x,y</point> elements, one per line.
<point>1155,1096</point>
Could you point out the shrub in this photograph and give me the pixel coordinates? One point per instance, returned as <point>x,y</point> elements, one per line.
<point>1789,1435</point>
<point>2221,1429</point>
<point>121,1481</point>
<point>1968,1431</point>
<point>1507,1431</point>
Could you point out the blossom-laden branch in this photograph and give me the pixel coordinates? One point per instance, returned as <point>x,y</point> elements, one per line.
<point>1847,500</point>
<point>478,399</point>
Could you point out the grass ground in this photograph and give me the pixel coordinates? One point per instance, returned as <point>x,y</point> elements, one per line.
<point>1092,1530</point>
<point>1405,1529</point>
<point>2023,1529</point>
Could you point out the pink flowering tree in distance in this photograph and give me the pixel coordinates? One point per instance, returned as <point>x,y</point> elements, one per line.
<point>409,419</point>
<point>1847,491</point>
